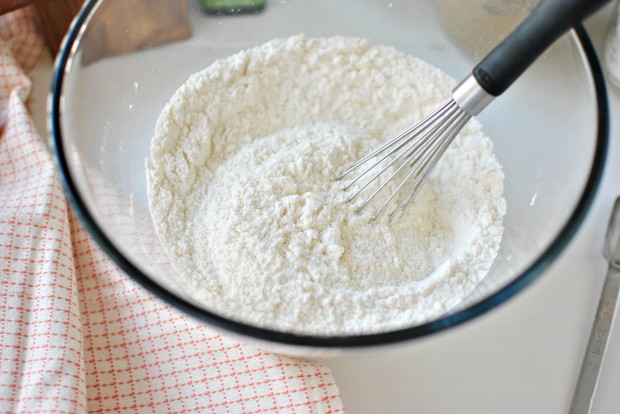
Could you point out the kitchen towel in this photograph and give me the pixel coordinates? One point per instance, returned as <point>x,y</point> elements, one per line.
<point>76,334</point>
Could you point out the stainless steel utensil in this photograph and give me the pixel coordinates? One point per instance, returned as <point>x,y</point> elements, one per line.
<point>416,151</point>
<point>599,337</point>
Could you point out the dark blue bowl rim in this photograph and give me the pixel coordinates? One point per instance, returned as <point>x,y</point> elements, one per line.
<point>353,341</point>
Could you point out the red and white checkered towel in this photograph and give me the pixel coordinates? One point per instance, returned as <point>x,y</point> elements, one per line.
<point>77,335</point>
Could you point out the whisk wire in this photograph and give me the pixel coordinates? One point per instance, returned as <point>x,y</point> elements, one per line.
<point>413,147</point>
<point>430,118</point>
<point>429,165</point>
<point>422,165</point>
<point>414,153</point>
<point>419,148</point>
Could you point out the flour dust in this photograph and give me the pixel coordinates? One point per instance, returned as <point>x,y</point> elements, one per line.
<point>242,190</point>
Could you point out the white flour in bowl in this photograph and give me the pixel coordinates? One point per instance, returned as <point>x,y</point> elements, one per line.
<point>242,191</point>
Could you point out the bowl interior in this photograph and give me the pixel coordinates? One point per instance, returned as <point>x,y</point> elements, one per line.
<point>544,128</point>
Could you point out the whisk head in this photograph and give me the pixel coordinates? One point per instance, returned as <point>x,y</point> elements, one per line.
<point>409,157</point>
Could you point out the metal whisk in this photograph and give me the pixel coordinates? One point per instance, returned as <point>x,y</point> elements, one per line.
<point>415,152</point>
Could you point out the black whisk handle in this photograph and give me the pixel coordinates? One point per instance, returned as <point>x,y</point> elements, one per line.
<point>546,23</point>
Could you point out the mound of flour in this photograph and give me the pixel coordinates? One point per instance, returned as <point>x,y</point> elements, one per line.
<point>242,192</point>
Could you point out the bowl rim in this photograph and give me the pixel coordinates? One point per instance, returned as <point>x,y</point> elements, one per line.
<point>532,272</point>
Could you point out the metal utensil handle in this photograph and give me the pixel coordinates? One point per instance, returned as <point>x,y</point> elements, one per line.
<point>595,352</point>
<point>550,19</point>
<point>603,321</point>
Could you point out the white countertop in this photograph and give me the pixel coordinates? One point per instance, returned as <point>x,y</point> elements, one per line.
<point>521,358</point>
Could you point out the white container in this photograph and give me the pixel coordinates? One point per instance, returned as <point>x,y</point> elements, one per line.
<point>612,48</point>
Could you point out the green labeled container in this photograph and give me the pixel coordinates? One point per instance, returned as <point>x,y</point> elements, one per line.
<point>233,6</point>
